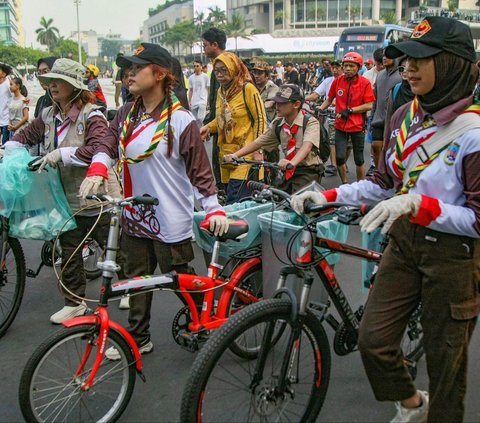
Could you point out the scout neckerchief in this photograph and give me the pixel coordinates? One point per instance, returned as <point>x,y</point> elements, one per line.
<point>402,154</point>
<point>157,136</point>
<point>291,146</point>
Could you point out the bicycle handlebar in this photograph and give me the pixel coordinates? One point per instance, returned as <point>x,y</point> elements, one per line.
<point>140,199</point>
<point>263,163</point>
<point>260,186</point>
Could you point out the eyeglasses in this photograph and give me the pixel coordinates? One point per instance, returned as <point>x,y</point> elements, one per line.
<point>401,69</point>
<point>222,71</point>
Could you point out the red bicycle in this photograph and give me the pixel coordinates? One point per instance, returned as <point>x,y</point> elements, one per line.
<point>69,378</point>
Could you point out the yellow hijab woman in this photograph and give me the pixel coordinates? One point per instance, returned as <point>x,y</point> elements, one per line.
<point>240,117</point>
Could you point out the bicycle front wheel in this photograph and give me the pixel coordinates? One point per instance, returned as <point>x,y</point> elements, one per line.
<point>12,283</point>
<point>223,387</point>
<point>51,383</point>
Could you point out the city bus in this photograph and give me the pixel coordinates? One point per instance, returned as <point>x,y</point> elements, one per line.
<point>366,39</point>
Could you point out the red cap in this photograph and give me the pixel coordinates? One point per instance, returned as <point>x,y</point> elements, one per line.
<point>370,61</point>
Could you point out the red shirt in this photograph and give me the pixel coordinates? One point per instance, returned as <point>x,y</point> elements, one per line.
<point>350,93</point>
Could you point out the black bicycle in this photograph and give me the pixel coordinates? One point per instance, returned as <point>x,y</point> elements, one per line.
<point>287,379</point>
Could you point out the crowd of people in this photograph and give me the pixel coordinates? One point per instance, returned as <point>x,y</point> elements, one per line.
<point>413,101</point>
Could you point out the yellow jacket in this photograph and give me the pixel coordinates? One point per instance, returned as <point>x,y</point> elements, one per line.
<point>234,127</point>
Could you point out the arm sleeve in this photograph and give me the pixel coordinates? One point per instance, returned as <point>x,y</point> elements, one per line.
<point>32,134</point>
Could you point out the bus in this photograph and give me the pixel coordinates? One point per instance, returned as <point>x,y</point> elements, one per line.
<point>366,39</point>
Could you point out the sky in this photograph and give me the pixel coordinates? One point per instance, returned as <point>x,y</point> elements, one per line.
<point>118,16</point>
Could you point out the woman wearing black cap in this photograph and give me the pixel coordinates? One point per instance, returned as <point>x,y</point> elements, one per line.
<point>428,181</point>
<point>161,154</point>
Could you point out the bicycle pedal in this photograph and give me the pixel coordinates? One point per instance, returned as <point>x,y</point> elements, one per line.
<point>187,341</point>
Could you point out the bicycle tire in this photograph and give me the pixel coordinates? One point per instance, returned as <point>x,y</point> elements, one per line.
<point>95,253</point>
<point>55,362</point>
<point>237,401</point>
<point>12,283</point>
<point>251,281</point>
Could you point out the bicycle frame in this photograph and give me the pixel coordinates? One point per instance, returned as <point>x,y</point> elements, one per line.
<point>185,283</point>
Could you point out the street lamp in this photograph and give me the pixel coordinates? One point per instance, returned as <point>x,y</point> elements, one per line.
<point>77,2</point>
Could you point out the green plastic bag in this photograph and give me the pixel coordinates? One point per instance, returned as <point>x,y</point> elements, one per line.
<point>34,203</point>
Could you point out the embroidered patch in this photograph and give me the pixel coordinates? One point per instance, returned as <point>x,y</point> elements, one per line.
<point>421,29</point>
<point>47,129</point>
<point>80,129</point>
<point>165,134</point>
<point>138,50</point>
<point>340,93</point>
<point>451,154</point>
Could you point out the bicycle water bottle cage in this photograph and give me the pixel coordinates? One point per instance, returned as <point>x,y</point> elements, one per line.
<point>237,230</point>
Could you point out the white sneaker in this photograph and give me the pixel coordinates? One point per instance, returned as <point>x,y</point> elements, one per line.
<point>124,302</point>
<point>68,312</point>
<point>113,354</point>
<point>412,415</point>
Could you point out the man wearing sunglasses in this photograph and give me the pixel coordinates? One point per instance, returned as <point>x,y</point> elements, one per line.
<point>386,79</point>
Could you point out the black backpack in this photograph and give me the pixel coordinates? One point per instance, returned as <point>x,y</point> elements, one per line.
<point>324,151</point>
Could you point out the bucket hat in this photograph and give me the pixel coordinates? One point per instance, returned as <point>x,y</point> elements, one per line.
<point>434,35</point>
<point>67,70</point>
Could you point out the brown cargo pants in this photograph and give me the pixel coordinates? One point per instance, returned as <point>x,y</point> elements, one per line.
<point>442,271</point>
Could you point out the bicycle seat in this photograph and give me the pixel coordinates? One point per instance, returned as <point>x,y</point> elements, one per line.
<point>237,229</point>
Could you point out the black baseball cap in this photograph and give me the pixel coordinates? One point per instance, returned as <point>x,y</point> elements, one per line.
<point>146,54</point>
<point>434,35</point>
<point>287,93</point>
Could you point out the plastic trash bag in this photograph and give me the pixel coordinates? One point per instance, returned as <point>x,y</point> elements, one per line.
<point>34,203</point>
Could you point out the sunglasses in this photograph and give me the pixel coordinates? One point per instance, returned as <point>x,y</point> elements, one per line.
<point>401,69</point>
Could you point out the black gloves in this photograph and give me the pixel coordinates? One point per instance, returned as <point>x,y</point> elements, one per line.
<point>345,113</point>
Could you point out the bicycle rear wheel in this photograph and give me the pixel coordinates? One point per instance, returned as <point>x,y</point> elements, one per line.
<point>412,342</point>
<point>12,283</point>
<point>50,388</point>
<point>221,386</point>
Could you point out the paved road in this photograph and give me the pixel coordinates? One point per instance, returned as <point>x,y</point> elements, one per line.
<point>349,398</point>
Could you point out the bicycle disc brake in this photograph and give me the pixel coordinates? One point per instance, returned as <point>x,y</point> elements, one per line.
<point>345,341</point>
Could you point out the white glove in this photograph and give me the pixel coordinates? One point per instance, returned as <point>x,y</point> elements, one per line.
<point>218,224</point>
<point>297,200</point>
<point>90,185</point>
<point>390,210</point>
<point>51,159</point>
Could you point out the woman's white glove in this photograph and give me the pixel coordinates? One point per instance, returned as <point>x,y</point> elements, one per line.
<point>390,210</point>
<point>218,224</point>
<point>90,186</point>
<point>297,200</point>
<point>51,159</point>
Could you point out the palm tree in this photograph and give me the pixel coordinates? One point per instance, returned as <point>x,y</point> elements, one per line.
<point>47,34</point>
<point>236,28</point>
<point>217,16</point>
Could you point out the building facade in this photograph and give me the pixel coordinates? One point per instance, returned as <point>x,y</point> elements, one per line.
<point>9,28</point>
<point>328,17</point>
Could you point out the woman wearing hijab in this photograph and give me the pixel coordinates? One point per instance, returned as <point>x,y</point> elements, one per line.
<point>428,181</point>
<point>240,119</point>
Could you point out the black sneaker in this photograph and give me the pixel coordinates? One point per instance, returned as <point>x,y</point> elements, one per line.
<point>371,170</point>
<point>330,170</point>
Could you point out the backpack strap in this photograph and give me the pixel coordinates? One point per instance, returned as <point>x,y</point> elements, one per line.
<point>249,113</point>
<point>396,90</point>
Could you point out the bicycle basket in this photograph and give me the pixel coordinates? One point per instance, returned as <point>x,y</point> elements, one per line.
<point>247,210</point>
<point>34,203</point>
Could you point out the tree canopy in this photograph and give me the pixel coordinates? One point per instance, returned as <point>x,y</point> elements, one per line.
<point>47,34</point>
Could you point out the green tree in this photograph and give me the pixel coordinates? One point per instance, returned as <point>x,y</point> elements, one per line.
<point>389,17</point>
<point>68,48</point>
<point>236,28</point>
<point>452,6</point>
<point>217,17</point>
<point>47,34</point>
<point>354,12</point>
<point>110,48</point>
<point>18,56</point>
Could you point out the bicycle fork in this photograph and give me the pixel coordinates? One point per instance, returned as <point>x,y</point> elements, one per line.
<point>298,314</point>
